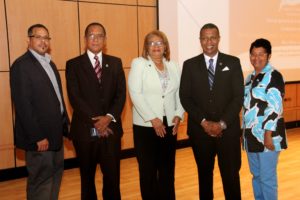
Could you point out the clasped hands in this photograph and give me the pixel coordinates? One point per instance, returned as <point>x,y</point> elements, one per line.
<point>213,129</point>
<point>101,124</point>
<point>160,128</point>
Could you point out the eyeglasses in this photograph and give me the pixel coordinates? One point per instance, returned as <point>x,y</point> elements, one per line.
<point>206,39</point>
<point>40,38</point>
<point>156,44</point>
<point>259,55</point>
<point>95,36</point>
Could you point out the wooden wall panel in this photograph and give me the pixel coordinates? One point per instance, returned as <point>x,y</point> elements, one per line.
<point>147,2</point>
<point>4,65</point>
<point>182,131</point>
<point>290,115</point>
<point>120,27</point>
<point>290,97</point>
<point>65,93</point>
<point>298,94</point>
<point>60,17</point>
<point>6,126</point>
<point>69,151</point>
<point>20,158</point>
<point>7,156</point>
<point>124,2</point>
<point>298,115</point>
<point>127,140</point>
<point>6,135</point>
<point>290,103</point>
<point>147,22</point>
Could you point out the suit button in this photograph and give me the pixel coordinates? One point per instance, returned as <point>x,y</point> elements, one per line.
<point>163,96</point>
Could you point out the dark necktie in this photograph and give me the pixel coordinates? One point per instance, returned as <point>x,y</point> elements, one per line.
<point>97,68</point>
<point>211,73</point>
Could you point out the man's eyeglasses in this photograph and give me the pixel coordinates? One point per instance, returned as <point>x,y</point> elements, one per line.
<point>40,38</point>
<point>206,39</point>
<point>95,36</point>
<point>156,44</point>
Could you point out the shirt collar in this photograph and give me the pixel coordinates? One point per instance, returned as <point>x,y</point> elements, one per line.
<point>46,57</point>
<point>92,55</point>
<point>215,57</point>
<point>267,68</point>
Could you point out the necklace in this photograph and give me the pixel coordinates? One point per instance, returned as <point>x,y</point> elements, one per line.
<point>163,71</point>
<point>163,77</point>
<point>158,67</point>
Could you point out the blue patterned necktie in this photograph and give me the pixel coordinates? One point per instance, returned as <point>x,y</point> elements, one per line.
<point>211,73</point>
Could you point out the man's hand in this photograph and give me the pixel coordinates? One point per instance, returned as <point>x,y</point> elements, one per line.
<point>159,127</point>
<point>213,129</point>
<point>101,122</point>
<point>206,126</point>
<point>106,133</point>
<point>43,145</point>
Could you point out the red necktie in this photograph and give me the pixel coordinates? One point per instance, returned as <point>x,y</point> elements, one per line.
<point>97,68</point>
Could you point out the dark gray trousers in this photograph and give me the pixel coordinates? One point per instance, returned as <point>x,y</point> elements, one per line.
<point>45,170</point>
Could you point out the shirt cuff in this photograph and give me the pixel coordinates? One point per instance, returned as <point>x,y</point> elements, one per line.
<point>223,124</point>
<point>112,117</point>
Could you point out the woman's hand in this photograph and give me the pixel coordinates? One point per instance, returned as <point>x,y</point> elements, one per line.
<point>159,127</point>
<point>176,121</point>
<point>268,141</point>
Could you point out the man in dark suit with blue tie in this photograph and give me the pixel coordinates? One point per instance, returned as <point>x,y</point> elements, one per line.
<point>97,91</point>
<point>41,118</point>
<point>211,91</point>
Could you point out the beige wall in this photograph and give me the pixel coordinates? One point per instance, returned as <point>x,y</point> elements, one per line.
<point>126,21</point>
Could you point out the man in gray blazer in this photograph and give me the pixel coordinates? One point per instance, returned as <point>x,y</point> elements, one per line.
<point>41,117</point>
<point>211,91</point>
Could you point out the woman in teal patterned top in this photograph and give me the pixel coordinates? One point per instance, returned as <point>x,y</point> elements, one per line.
<point>264,131</point>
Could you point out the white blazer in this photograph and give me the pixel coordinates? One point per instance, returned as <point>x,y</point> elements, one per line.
<point>146,92</point>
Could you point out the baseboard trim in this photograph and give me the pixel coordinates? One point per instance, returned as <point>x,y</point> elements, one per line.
<point>20,172</point>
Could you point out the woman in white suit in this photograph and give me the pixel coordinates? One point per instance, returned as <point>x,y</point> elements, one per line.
<point>153,87</point>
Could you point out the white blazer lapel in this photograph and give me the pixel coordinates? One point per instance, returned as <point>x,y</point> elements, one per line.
<point>153,75</point>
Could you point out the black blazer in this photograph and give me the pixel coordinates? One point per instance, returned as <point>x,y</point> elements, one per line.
<point>222,103</point>
<point>38,114</point>
<point>89,98</point>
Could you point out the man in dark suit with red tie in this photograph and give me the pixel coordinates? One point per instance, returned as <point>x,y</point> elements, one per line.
<point>211,91</point>
<point>97,91</point>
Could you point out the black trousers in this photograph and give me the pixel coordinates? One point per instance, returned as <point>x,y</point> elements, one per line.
<point>105,151</point>
<point>156,159</point>
<point>228,151</point>
<point>45,170</point>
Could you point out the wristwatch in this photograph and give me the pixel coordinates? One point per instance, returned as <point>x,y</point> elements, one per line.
<point>223,124</point>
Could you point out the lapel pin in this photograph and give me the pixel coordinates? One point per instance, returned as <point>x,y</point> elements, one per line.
<point>106,65</point>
